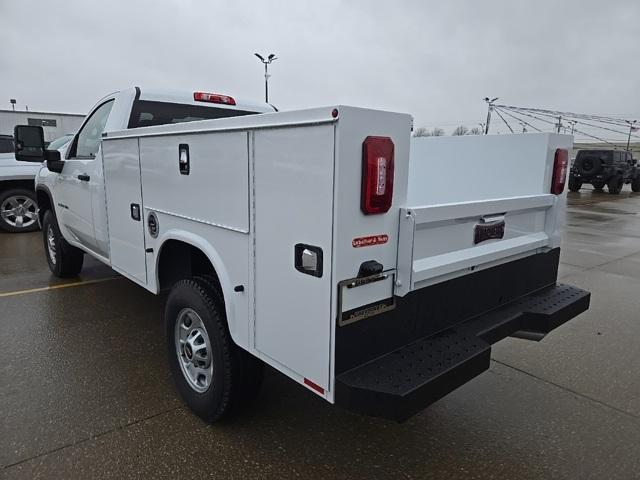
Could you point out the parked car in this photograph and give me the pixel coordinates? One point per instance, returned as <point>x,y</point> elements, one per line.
<point>18,208</point>
<point>612,168</point>
<point>323,242</point>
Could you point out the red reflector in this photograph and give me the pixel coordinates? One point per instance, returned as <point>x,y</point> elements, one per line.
<point>560,165</point>
<point>314,386</point>
<point>213,98</point>
<point>377,175</point>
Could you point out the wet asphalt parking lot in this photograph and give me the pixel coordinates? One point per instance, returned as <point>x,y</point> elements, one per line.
<point>85,390</point>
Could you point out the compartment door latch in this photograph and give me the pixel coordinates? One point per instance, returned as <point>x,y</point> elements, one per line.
<point>183,159</point>
<point>308,259</point>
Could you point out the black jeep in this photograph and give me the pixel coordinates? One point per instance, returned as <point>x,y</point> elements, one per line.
<point>612,168</point>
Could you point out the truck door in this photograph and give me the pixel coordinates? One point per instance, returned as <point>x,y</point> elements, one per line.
<point>80,176</point>
<point>123,192</point>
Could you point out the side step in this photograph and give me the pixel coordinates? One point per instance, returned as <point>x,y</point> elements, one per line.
<point>405,381</point>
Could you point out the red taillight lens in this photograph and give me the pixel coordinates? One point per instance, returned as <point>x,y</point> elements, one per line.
<point>560,165</point>
<point>377,175</point>
<point>213,98</point>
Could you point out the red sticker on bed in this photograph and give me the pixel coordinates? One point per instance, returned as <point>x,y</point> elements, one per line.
<point>370,240</point>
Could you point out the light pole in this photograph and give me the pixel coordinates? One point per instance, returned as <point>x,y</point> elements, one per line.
<point>489,110</point>
<point>631,129</point>
<point>266,63</point>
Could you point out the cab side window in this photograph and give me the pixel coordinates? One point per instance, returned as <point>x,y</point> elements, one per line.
<point>88,140</point>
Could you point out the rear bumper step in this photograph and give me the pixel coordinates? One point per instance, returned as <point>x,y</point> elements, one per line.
<point>405,381</point>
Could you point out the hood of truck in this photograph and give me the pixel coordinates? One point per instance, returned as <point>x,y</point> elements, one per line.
<point>12,169</point>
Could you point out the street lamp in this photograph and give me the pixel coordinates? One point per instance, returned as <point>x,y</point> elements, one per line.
<point>632,128</point>
<point>266,63</point>
<point>490,109</point>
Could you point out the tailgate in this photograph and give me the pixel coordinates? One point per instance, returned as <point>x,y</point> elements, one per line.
<point>497,206</point>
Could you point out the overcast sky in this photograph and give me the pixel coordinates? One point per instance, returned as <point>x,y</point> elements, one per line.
<point>433,59</point>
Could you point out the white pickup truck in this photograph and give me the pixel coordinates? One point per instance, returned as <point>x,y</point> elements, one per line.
<point>18,208</point>
<point>323,242</point>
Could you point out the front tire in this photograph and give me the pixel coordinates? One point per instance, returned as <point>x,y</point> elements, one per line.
<point>64,259</point>
<point>209,369</point>
<point>635,184</point>
<point>18,210</point>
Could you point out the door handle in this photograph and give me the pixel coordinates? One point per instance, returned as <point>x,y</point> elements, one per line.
<point>183,159</point>
<point>84,177</point>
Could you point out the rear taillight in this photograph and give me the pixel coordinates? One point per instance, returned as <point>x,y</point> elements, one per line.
<point>560,165</point>
<point>213,98</point>
<point>377,175</point>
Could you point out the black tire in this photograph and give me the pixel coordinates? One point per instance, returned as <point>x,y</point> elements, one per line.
<point>64,259</point>
<point>574,184</point>
<point>18,210</point>
<point>614,185</point>
<point>598,186</point>
<point>635,184</point>
<point>251,367</point>
<point>229,378</point>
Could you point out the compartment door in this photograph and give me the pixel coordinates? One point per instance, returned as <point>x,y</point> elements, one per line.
<point>293,203</point>
<point>121,159</point>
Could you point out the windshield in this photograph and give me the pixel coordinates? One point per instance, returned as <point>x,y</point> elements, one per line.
<point>58,143</point>
<point>146,113</point>
<point>6,144</point>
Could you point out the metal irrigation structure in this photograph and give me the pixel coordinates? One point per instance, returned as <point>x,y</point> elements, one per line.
<point>595,128</point>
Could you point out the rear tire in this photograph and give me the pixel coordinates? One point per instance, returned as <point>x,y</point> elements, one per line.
<point>598,186</point>
<point>251,367</point>
<point>64,259</point>
<point>635,184</point>
<point>614,185</point>
<point>574,184</point>
<point>210,371</point>
<point>18,210</point>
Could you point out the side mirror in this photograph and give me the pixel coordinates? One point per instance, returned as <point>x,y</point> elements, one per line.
<point>29,142</point>
<point>54,161</point>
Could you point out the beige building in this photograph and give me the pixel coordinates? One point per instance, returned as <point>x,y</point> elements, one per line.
<point>54,124</point>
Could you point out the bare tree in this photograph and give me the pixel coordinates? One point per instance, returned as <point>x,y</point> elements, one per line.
<point>425,132</point>
<point>475,131</point>
<point>461,130</point>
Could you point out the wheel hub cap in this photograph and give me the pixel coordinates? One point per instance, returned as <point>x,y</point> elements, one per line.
<point>193,348</point>
<point>18,211</point>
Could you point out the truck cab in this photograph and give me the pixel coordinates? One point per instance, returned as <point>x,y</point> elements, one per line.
<point>76,182</point>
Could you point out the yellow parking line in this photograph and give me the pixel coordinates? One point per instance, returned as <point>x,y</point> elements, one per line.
<point>56,287</point>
